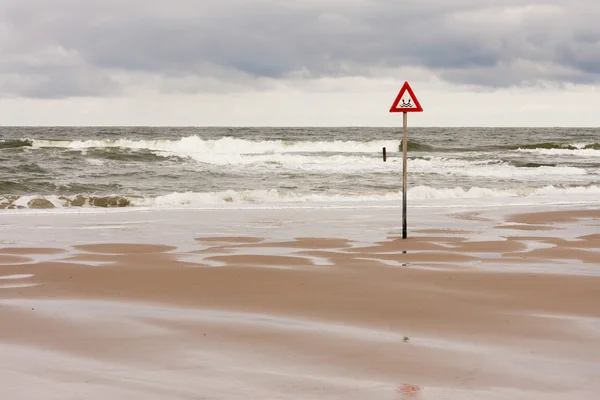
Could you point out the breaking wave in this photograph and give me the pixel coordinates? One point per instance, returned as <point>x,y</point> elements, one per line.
<point>576,149</point>
<point>15,143</point>
<point>194,144</point>
<point>585,152</point>
<point>556,146</point>
<point>277,197</point>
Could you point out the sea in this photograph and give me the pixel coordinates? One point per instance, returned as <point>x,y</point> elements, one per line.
<point>75,168</point>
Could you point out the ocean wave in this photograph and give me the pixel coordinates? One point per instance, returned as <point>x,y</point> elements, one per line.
<point>488,169</point>
<point>15,143</point>
<point>289,154</point>
<point>352,164</point>
<point>191,199</point>
<point>546,146</point>
<point>554,146</point>
<point>121,154</point>
<point>55,201</point>
<point>591,151</point>
<point>228,145</point>
<point>345,164</point>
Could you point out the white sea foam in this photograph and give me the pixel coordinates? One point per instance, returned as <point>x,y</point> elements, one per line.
<point>94,161</point>
<point>418,192</point>
<point>23,201</point>
<point>277,154</point>
<point>227,145</point>
<point>322,164</point>
<point>486,168</point>
<point>563,152</point>
<point>275,196</point>
<point>347,164</point>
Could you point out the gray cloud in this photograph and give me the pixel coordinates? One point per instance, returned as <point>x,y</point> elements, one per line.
<point>61,48</point>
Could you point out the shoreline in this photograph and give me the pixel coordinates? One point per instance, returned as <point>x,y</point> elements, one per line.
<point>468,311</point>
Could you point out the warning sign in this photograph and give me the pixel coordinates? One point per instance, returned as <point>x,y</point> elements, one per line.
<point>406,101</point>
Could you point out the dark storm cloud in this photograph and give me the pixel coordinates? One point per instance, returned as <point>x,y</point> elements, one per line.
<point>56,48</point>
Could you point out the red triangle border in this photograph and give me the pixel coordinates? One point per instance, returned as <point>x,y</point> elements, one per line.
<point>417,108</point>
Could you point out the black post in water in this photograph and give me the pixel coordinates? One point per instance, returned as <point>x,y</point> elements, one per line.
<point>384,155</point>
<point>404,173</point>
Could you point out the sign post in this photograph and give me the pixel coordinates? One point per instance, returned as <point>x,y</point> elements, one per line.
<point>405,102</point>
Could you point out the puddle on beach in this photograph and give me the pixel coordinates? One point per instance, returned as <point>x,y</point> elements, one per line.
<point>16,281</point>
<point>12,277</point>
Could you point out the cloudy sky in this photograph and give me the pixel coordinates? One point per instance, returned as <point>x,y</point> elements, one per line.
<point>299,63</point>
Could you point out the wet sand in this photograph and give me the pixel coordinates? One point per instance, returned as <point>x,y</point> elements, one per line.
<point>445,314</point>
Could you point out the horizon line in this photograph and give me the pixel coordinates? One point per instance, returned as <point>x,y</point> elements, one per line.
<point>300,126</point>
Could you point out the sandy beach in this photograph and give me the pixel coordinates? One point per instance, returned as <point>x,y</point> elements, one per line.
<point>208,200</point>
<point>248,304</point>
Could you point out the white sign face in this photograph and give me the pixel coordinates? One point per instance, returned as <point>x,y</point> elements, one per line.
<point>406,101</point>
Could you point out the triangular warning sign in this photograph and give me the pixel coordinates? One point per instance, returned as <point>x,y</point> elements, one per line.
<point>406,101</point>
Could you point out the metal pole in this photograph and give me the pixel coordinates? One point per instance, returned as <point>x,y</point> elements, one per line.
<point>404,168</point>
